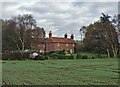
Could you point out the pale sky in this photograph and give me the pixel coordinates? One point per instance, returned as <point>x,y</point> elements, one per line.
<point>60,16</point>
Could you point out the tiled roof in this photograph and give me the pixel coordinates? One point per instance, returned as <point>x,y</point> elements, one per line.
<point>60,40</point>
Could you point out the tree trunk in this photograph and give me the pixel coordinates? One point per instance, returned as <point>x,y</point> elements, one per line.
<point>115,52</point>
<point>108,53</point>
<point>21,51</point>
<point>21,55</point>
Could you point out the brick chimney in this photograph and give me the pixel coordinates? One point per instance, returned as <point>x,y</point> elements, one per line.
<point>65,36</point>
<point>72,36</point>
<point>50,34</point>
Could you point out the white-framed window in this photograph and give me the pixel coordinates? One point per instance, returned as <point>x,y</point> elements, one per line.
<point>58,44</point>
<point>73,45</point>
<point>67,44</point>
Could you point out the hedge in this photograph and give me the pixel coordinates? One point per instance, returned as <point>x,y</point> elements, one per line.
<point>14,56</point>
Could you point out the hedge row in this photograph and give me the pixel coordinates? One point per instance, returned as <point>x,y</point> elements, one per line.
<point>60,56</point>
<point>15,56</point>
<point>41,57</point>
<point>90,57</point>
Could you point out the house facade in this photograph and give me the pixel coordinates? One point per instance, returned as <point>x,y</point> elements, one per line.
<point>57,44</point>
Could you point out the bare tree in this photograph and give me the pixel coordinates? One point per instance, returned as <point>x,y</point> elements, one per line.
<point>22,23</point>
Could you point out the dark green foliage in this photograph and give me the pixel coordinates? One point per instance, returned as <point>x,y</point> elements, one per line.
<point>41,57</point>
<point>60,52</point>
<point>79,56</point>
<point>84,57</point>
<point>101,37</point>
<point>101,56</point>
<point>57,56</point>
<point>61,57</point>
<point>92,57</point>
<point>70,57</point>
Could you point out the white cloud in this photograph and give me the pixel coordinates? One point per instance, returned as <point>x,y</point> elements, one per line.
<point>60,17</point>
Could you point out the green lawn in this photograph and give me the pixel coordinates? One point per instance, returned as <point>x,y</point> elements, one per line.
<point>61,72</point>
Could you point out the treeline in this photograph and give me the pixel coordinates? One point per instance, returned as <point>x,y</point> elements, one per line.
<point>103,36</point>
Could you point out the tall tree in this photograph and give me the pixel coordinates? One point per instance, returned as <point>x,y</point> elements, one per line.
<point>23,23</point>
<point>8,35</point>
<point>15,30</point>
<point>102,35</point>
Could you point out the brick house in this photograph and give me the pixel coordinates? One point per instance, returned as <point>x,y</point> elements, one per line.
<point>57,44</point>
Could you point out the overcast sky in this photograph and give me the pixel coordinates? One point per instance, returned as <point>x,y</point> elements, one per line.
<point>60,17</point>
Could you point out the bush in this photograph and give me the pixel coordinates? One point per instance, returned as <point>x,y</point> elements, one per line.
<point>15,56</point>
<point>11,56</point>
<point>46,57</point>
<point>61,52</point>
<point>79,56</point>
<point>41,57</point>
<point>101,55</point>
<point>70,57</point>
<point>61,57</point>
<point>92,57</point>
<point>53,56</point>
<point>84,57</point>
<point>26,55</point>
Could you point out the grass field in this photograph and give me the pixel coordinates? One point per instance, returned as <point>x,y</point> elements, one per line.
<point>61,72</point>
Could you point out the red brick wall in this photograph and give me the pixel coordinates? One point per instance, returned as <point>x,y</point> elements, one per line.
<point>49,47</point>
<point>56,47</point>
<point>40,48</point>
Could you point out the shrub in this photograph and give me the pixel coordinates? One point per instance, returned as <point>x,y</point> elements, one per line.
<point>61,56</point>
<point>57,56</point>
<point>15,56</point>
<point>92,57</point>
<point>101,55</point>
<point>51,52</point>
<point>60,52</point>
<point>79,56</point>
<point>26,55</point>
<point>46,57</point>
<point>84,57</point>
<point>70,57</point>
<point>41,57</point>
<point>11,56</point>
<point>53,56</point>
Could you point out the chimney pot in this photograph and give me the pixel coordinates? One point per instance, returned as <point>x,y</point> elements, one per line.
<point>72,36</point>
<point>65,36</point>
<point>50,34</point>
